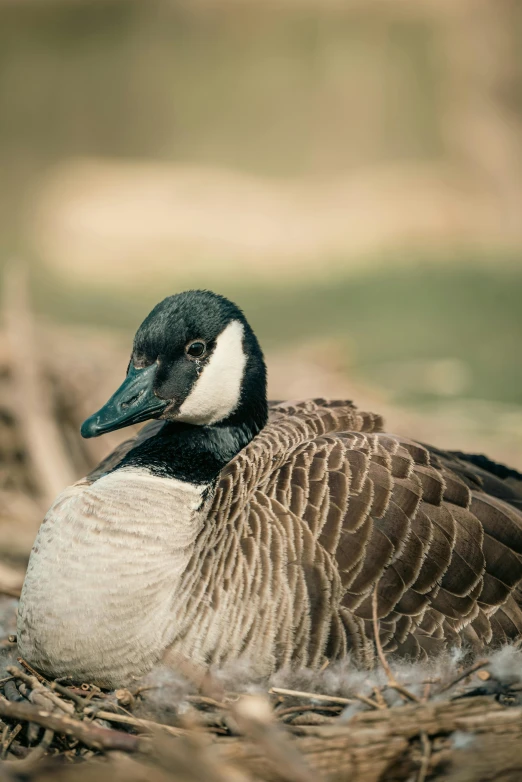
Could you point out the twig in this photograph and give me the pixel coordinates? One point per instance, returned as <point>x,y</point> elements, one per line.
<point>89,734</point>
<point>41,436</point>
<point>255,719</point>
<point>426,755</point>
<point>3,740</point>
<point>465,673</point>
<point>392,681</point>
<point>149,725</point>
<point>68,693</point>
<point>9,737</point>
<point>39,689</point>
<point>34,755</point>
<point>404,692</point>
<point>206,701</point>
<point>306,707</point>
<point>146,688</point>
<point>312,695</point>
<point>376,632</point>
<point>379,698</point>
<point>32,671</point>
<point>368,701</point>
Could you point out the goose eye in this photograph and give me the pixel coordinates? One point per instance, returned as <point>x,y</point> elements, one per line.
<point>196,349</point>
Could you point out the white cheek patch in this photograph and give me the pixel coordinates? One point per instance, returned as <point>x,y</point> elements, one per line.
<point>217,391</point>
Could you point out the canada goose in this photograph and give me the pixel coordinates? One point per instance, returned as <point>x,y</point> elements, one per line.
<point>228,529</point>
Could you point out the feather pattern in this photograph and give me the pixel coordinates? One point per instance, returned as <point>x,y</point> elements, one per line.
<point>364,510</point>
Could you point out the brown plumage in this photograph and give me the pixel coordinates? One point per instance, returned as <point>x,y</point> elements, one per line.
<point>326,505</point>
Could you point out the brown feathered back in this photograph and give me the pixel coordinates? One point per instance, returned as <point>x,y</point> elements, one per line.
<point>357,509</point>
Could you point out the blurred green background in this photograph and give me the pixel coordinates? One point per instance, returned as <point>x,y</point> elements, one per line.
<point>349,172</point>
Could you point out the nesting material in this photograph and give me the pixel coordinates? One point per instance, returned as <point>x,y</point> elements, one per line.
<point>430,721</point>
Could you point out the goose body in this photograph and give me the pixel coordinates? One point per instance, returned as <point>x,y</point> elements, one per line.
<point>229,530</point>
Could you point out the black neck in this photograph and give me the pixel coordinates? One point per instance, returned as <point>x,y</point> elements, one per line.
<point>190,453</point>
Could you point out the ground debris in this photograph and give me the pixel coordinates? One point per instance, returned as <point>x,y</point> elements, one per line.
<point>65,731</point>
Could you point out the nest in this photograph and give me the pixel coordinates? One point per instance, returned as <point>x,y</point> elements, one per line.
<point>455,723</point>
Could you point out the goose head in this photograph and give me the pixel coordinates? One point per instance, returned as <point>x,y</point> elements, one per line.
<point>196,362</point>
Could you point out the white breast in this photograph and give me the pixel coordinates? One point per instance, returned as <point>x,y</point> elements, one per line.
<point>99,594</point>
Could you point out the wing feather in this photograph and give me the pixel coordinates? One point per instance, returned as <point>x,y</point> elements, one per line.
<point>372,510</point>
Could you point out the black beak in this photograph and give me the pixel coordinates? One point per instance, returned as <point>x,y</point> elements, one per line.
<point>133,402</point>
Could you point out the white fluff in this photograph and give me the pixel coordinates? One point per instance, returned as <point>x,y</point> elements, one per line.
<point>217,391</point>
<point>506,665</point>
<point>341,678</point>
<point>462,740</point>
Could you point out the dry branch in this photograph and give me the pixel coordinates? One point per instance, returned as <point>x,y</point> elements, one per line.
<point>91,735</point>
<point>312,696</point>
<point>42,438</point>
<point>367,747</point>
<point>141,725</point>
<point>40,695</point>
<point>464,674</point>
